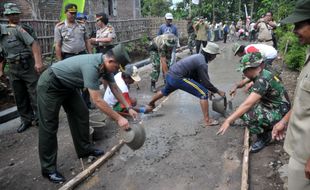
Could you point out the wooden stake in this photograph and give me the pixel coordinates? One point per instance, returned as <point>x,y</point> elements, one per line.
<point>245,162</point>
<point>88,171</point>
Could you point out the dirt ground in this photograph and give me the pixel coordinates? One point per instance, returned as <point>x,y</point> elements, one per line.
<point>178,152</point>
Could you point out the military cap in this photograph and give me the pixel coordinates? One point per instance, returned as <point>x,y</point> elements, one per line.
<point>251,60</point>
<point>121,55</point>
<point>235,48</point>
<point>11,8</point>
<point>212,48</point>
<point>170,40</point>
<point>301,12</point>
<point>72,8</point>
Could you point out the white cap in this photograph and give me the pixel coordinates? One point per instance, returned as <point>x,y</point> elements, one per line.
<point>212,48</point>
<point>168,16</point>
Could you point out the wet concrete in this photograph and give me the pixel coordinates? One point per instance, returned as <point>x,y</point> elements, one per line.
<point>178,152</point>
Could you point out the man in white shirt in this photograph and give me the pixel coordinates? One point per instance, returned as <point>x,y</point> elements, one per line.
<point>123,80</point>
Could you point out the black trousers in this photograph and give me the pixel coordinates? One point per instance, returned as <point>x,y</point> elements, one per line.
<point>198,44</point>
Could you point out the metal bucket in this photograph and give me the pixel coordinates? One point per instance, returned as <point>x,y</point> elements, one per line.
<point>98,117</point>
<point>219,105</point>
<point>98,130</point>
<point>135,136</point>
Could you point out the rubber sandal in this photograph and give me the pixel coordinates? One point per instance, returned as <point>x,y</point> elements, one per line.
<point>212,123</point>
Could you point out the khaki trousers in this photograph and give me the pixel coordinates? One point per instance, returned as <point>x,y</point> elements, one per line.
<point>296,176</point>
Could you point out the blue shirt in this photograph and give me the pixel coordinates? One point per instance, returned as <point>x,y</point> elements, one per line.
<point>168,29</point>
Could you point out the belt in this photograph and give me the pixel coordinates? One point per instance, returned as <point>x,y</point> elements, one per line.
<point>265,40</point>
<point>81,52</point>
<point>13,61</point>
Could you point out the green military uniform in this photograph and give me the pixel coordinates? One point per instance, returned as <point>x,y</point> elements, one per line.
<point>161,46</point>
<point>16,43</point>
<point>59,86</point>
<point>272,107</point>
<point>191,36</point>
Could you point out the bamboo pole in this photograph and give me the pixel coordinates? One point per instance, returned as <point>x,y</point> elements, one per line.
<point>245,162</point>
<point>88,171</point>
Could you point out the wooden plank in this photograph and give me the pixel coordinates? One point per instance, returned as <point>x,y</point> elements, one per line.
<point>87,172</point>
<point>245,162</point>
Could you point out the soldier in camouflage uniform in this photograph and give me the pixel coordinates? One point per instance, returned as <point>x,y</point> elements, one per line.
<point>104,35</point>
<point>23,56</point>
<point>265,105</point>
<point>160,51</point>
<point>191,43</point>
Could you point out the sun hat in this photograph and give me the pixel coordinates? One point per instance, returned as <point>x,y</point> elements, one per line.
<point>133,72</point>
<point>212,48</point>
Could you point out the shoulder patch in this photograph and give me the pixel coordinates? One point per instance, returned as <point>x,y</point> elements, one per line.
<point>60,23</point>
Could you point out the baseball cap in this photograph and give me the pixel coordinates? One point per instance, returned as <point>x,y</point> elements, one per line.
<point>235,48</point>
<point>11,8</point>
<point>301,12</point>
<point>133,72</point>
<point>121,55</point>
<point>168,16</point>
<point>72,8</point>
<point>251,60</point>
<point>212,48</point>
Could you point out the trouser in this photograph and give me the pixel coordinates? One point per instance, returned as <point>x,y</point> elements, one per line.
<point>225,36</point>
<point>173,56</point>
<point>52,94</point>
<point>198,44</point>
<point>23,79</point>
<point>191,41</point>
<point>103,49</point>
<point>84,92</point>
<point>296,176</point>
<point>155,60</point>
<point>260,118</point>
<point>252,35</point>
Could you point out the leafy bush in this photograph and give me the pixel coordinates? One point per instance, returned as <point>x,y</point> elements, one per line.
<point>295,55</point>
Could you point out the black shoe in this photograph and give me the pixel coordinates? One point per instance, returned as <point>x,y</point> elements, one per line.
<point>23,127</point>
<point>54,177</point>
<point>261,142</point>
<point>96,152</point>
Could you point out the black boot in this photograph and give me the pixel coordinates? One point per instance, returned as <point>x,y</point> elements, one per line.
<point>153,87</point>
<point>262,140</point>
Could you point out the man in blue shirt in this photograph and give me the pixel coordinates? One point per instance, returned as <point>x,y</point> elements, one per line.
<point>169,28</point>
<point>191,75</point>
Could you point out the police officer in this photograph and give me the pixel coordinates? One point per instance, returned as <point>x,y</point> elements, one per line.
<point>58,86</point>
<point>104,35</point>
<point>265,105</point>
<point>71,36</point>
<point>23,55</point>
<point>160,51</point>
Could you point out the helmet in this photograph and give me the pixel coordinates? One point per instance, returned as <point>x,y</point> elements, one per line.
<point>11,8</point>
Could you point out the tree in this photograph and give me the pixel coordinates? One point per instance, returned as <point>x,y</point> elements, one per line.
<point>155,7</point>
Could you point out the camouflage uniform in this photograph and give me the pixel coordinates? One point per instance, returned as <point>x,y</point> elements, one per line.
<point>191,43</point>
<point>160,48</point>
<point>273,104</point>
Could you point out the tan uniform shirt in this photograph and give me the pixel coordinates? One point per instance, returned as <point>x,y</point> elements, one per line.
<point>297,142</point>
<point>106,32</point>
<point>202,32</point>
<point>264,34</point>
<point>73,38</point>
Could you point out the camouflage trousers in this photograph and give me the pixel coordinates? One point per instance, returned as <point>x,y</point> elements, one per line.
<point>191,43</point>
<point>155,60</point>
<point>260,118</point>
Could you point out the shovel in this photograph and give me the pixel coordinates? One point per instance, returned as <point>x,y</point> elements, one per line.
<point>229,103</point>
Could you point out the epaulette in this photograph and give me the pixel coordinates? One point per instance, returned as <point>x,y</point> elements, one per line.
<point>12,25</point>
<point>60,23</point>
